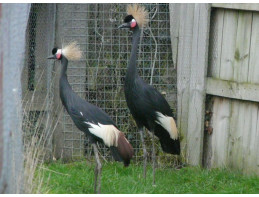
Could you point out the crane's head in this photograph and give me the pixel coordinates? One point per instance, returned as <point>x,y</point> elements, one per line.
<point>56,54</point>
<point>137,16</point>
<point>71,51</point>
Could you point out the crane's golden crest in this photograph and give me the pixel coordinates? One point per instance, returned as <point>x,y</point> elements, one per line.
<point>139,13</point>
<point>72,51</point>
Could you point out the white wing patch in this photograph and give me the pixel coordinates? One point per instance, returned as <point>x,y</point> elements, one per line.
<point>108,133</point>
<point>169,124</point>
<point>81,113</point>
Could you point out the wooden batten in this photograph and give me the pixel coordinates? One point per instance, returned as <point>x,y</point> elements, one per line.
<point>233,90</point>
<point>237,6</point>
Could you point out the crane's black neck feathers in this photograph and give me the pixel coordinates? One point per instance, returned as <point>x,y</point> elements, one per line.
<point>64,86</point>
<point>132,72</point>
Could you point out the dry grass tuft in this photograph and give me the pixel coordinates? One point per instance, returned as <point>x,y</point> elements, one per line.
<point>38,127</point>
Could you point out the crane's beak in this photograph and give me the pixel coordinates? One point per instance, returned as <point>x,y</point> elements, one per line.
<point>52,57</point>
<point>124,25</point>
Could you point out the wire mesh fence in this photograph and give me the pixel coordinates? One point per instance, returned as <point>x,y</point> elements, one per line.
<point>37,84</point>
<point>99,76</point>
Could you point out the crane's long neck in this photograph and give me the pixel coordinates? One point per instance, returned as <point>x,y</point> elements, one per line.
<point>132,72</point>
<point>65,89</point>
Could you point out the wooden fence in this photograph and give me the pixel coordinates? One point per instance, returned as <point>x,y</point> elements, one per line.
<point>216,48</point>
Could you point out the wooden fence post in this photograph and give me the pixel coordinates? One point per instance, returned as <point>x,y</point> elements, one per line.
<point>197,94</point>
<point>185,25</point>
<point>192,56</point>
<point>13,26</point>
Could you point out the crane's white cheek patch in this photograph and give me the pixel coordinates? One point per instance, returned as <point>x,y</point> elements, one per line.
<point>168,124</point>
<point>58,54</point>
<point>108,133</point>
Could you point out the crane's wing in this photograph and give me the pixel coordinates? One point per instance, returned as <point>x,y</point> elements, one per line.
<point>87,112</point>
<point>155,100</point>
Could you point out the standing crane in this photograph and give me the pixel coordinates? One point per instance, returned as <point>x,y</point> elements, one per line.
<point>90,119</point>
<point>147,106</point>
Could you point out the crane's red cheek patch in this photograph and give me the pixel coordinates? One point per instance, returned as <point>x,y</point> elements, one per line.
<point>58,56</point>
<point>133,24</point>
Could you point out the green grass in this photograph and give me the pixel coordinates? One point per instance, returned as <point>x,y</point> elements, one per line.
<point>78,177</point>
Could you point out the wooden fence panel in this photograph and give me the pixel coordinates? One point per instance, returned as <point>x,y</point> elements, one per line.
<point>234,120</point>
<point>232,79</point>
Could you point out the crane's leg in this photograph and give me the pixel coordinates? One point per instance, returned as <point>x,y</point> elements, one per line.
<point>98,171</point>
<point>153,156</point>
<point>141,130</point>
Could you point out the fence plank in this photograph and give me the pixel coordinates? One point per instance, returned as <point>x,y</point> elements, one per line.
<point>254,51</point>
<point>183,68</point>
<point>198,68</point>
<point>234,137</point>
<point>242,50</point>
<point>249,141</point>
<point>221,113</point>
<point>215,42</point>
<point>228,45</point>
<point>239,6</point>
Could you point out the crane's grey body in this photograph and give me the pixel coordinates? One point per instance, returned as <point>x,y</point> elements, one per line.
<point>90,119</point>
<point>85,115</point>
<point>79,109</point>
<point>148,107</point>
<point>144,102</point>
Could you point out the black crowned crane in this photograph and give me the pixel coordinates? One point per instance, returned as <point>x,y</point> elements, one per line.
<point>147,106</point>
<point>90,119</point>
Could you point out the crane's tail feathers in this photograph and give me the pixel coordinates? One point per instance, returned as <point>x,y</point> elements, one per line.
<point>168,144</point>
<point>72,51</point>
<point>139,13</point>
<point>124,151</point>
<point>168,123</point>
